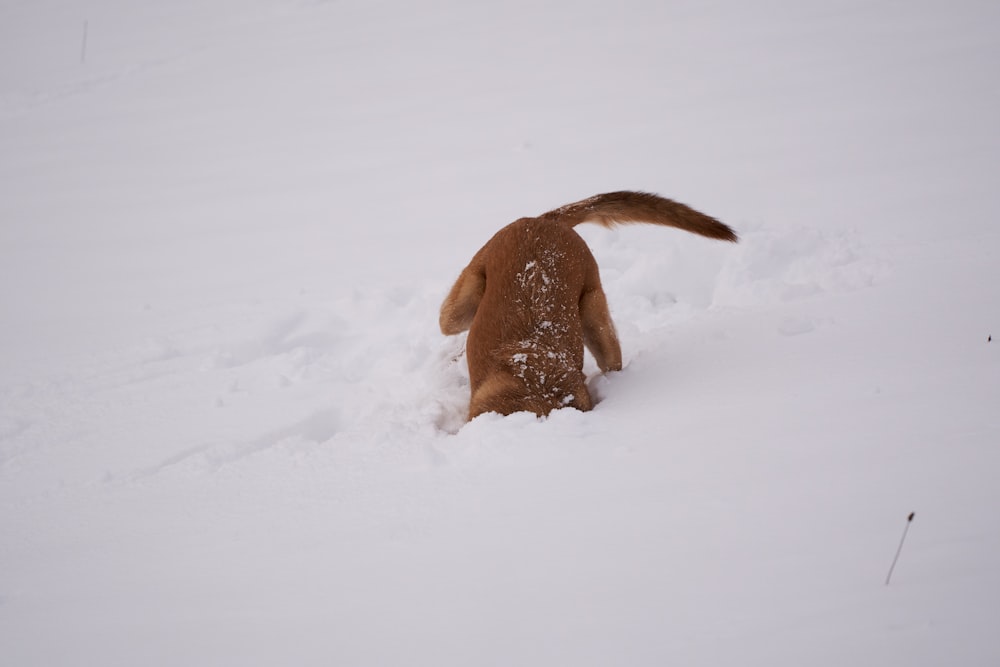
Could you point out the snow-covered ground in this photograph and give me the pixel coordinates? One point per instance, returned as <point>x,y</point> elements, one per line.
<point>231,433</point>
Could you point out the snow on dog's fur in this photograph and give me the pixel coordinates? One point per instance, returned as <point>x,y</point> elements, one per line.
<point>531,299</point>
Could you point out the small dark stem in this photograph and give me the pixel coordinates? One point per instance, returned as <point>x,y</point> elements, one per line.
<point>83,47</point>
<point>900,548</point>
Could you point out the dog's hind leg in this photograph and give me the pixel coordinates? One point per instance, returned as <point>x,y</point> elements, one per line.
<point>459,308</point>
<point>599,331</point>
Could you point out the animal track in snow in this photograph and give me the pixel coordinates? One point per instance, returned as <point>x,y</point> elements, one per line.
<point>317,428</point>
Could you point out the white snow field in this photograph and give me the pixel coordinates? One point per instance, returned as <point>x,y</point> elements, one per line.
<point>232,434</point>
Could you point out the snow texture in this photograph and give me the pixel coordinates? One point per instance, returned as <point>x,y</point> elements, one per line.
<point>232,434</point>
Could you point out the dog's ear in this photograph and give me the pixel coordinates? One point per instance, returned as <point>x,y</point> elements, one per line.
<point>459,308</point>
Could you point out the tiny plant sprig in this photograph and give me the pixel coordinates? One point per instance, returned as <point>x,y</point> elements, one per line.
<point>899,549</point>
<point>83,45</point>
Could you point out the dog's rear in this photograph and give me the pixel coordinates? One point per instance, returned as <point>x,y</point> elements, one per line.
<point>531,299</point>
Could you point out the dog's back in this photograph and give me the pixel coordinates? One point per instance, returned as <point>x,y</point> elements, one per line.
<point>525,346</point>
<point>531,299</point>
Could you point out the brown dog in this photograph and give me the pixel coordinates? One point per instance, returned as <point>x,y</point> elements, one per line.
<point>531,298</point>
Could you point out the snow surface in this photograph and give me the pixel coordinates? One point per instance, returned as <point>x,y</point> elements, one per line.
<point>231,433</point>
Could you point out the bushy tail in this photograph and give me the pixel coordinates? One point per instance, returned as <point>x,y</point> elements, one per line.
<point>615,208</point>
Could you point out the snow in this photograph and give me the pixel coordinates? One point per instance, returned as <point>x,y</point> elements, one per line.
<point>231,432</point>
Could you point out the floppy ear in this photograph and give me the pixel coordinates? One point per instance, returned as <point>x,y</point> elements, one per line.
<point>462,302</point>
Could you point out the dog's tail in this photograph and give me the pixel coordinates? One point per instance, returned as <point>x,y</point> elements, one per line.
<point>615,208</point>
